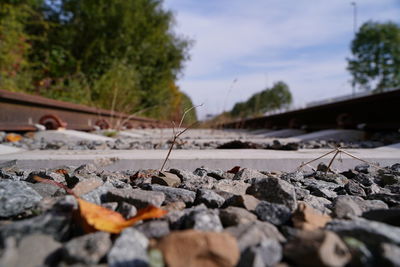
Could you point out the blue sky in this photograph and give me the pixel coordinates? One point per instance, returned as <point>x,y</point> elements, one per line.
<point>304,43</point>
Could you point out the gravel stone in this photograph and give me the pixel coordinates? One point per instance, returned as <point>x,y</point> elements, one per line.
<point>248,202</point>
<point>137,197</point>
<point>16,197</point>
<point>209,198</point>
<point>203,220</point>
<point>276,214</point>
<point>332,177</point>
<point>267,253</point>
<point>254,233</point>
<point>231,186</point>
<point>274,190</point>
<point>154,229</point>
<point>369,232</point>
<point>130,249</point>
<point>235,216</point>
<point>173,194</point>
<point>246,173</point>
<point>33,250</point>
<point>88,249</point>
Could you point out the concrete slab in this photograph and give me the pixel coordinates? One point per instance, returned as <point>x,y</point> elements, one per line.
<point>69,135</point>
<point>392,146</point>
<point>333,134</point>
<point>284,133</point>
<point>191,159</point>
<point>4,149</point>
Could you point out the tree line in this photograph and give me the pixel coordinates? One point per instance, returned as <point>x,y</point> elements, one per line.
<point>113,54</point>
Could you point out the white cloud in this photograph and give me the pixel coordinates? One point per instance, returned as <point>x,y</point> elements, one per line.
<point>303,43</point>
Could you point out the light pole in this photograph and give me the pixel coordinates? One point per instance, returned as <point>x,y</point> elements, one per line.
<point>354,4</point>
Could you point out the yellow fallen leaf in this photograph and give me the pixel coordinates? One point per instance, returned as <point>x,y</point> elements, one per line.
<point>11,137</point>
<point>93,217</point>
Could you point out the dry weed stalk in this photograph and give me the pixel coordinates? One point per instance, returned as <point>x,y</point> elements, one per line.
<point>177,134</point>
<point>337,152</point>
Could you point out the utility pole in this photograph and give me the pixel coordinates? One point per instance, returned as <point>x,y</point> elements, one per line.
<point>354,4</point>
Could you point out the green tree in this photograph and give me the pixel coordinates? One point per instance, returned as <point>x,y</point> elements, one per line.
<point>119,54</point>
<point>90,36</point>
<point>375,64</point>
<point>276,97</point>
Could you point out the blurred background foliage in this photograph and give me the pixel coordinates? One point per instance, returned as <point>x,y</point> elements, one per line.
<point>276,97</point>
<point>114,54</point>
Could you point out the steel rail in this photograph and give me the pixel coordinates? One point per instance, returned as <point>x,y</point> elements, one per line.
<point>20,112</point>
<point>380,111</point>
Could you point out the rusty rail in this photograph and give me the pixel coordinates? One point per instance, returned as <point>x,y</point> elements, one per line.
<point>373,112</point>
<point>20,112</point>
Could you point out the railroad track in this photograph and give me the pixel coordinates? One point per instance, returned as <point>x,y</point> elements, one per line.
<point>373,112</point>
<point>20,112</point>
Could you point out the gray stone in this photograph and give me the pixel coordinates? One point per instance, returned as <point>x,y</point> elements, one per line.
<point>364,179</point>
<point>127,210</point>
<point>390,254</point>
<point>267,253</point>
<point>88,249</point>
<point>293,176</point>
<point>248,202</point>
<point>231,186</point>
<point>16,197</point>
<point>246,173</point>
<point>301,193</point>
<point>55,224</point>
<point>203,220</point>
<point>130,249</point>
<point>369,232</point>
<point>88,185</point>
<point>392,200</point>
<point>274,190</point>
<point>319,203</point>
<point>47,190</point>
<point>166,179</point>
<point>209,198</point>
<point>373,189</point>
<point>193,182</point>
<point>312,184</point>
<point>33,250</point>
<point>154,229</point>
<point>346,207</point>
<point>276,214</point>
<point>324,193</point>
<point>217,174</point>
<point>332,177</point>
<point>254,233</point>
<point>363,168</point>
<point>173,194</point>
<point>352,188</point>
<point>98,195</point>
<point>137,197</point>
<point>235,215</point>
<point>388,177</point>
<point>86,169</point>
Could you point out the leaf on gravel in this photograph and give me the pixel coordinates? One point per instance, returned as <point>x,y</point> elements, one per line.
<point>93,217</point>
<point>11,137</point>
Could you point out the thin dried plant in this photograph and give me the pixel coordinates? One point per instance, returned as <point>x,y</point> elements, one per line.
<point>337,152</point>
<point>177,133</point>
